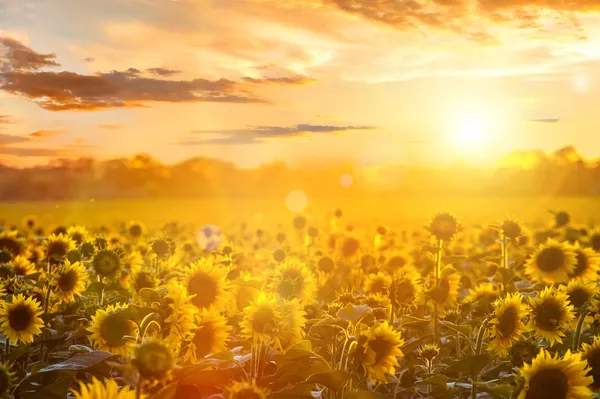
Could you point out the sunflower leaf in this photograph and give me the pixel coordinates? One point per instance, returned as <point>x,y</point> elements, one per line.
<point>470,365</point>
<point>354,313</point>
<point>464,330</point>
<point>437,379</point>
<point>365,395</point>
<point>88,362</point>
<point>333,379</point>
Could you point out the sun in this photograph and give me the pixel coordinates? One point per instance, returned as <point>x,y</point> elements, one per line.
<point>471,130</point>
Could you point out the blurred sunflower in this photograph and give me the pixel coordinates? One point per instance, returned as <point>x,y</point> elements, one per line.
<point>208,284</point>
<point>377,284</point>
<point>428,351</point>
<point>10,241</point>
<point>97,389</point>
<point>70,280</point>
<point>551,314</point>
<point>135,230</point>
<point>446,293</point>
<point>153,359</point>
<point>293,322</point>
<point>293,279</point>
<point>587,263</point>
<point>19,319</point>
<point>379,352</point>
<point>551,263</point>
<point>58,245</point>
<point>579,292</point>
<point>180,315</point>
<point>77,233</point>
<point>507,323</point>
<point>511,229</point>
<point>553,377</point>
<point>210,336</point>
<point>109,330</point>
<point>21,266</point>
<point>591,354</point>
<point>443,226</point>
<point>482,298</point>
<point>245,390</point>
<point>523,351</point>
<point>380,304</point>
<point>262,320</point>
<point>406,288</point>
<point>107,263</point>
<point>30,222</point>
<point>141,278</point>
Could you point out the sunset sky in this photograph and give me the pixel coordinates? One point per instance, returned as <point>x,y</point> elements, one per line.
<point>250,81</point>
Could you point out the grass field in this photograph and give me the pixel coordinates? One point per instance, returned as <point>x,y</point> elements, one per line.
<point>395,211</point>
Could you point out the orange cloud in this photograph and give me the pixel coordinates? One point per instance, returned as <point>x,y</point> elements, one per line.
<point>47,133</point>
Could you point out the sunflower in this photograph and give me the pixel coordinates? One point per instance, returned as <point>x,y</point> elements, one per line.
<point>551,263</point>
<point>551,314</point>
<point>262,320</point>
<point>21,266</point>
<point>377,284</point>
<point>443,226</point>
<point>549,377</point>
<point>180,315</point>
<point>379,350</point>
<point>135,230</point>
<point>482,297</point>
<point>446,292</point>
<point>58,245</point>
<point>209,337</point>
<point>591,354</point>
<point>292,279</point>
<point>511,229</point>
<point>141,278</point>
<point>406,288</point>
<point>507,323</point>
<point>208,283</point>
<point>70,281</point>
<point>587,263</point>
<point>380,304</point>
<point>245,390</point>
<point>7,379</point>
<point>109,389</point>
<point>524,351</point>
<point>77,234</point>
<point>10,241</point>
<point>153,359</point>
<point>107,263</point>
<point>293,323</point>
<point>579,292</point>
<point>109,330</point>
<point>19,319</point>
<point>30,222</point>
<point>428,351</point>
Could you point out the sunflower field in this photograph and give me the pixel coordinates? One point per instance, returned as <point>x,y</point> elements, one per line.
<point>498,310</point>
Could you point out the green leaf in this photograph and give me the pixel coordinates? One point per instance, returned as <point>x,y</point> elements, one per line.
<point>57,389</point>
<point>16,354</point>
<point>354,313</point>
<point>365,395</point>
<point>149,295</point>
<point>96,287</point>
<point>134,313</point>
<point>464,330</point>
<point>302,346</point>
<point>470,365</point>
<point>332,379</point>
<point>88,362</point>
<point>437,379</point>
<point>297,391</point>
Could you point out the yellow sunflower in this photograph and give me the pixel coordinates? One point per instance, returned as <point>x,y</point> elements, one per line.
<point>109,331</point>
<point>293,323</point>
<point>553,377</point>
<point>293,279</point>
<point>377,284</point>
<point>19,319</point>
<point>591,354</point>
<point>70,281</point>
<point>553,262</point>
<point>109,389</point>
<point>135,230</point>
<point>208,283</point>
<point>245,390</point>
<point>21,266</point>
<point>209,337</point>
<point>141,278</point>
<point>262,320</point>
<point>30,222</point>
<point>482,297</point>
<point>551,315</point>
<point>58,245</point>
<point>587,263</point>
<point>10,241</point>
<point>406,288</point>
<point>443,226</point>
<point>507,323</point>
<point>379,352</point>
<point>446,293</point>
<point>380,304</point>
<point>579,292</point>
<point>77,234</point>
<point>153,359</point>
<point>181,315</point>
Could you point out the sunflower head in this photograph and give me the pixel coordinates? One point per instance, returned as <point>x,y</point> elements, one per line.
<point>299,222</point>
<point>135,230</point>
<point>377,284</point>
<point>211,335</point>
<point>293,279</point>
<point>523,351</point>
<point>482,298</point>
<point>446,292</point>
<point>428,351</point>
<point>326,264</point>
<point>207,282</point>
<point>20,319</point>
<point>70,281</point>
<point>111,331</point>
<point>11,242</point>
<point>561,219</point>
<point>153,359</point>
<point>443,226</point>
<point>107,389</point>
<point>293,323</point>
<point>511,229</point>
<point>350,247</point>
<point>142,278</point>
<point>21,266</point>
<point>507,323</point>
<point>30,222</point>
<point>594,241</point>
<point>379,303</point>
<point>587,264</point>
<point>552,377</point>
<point>262,320</point>
<point>405,289</point>
<point>591,354</point>
<point>378,352</point>
<point>107,263</point>
<point>579,292</point>
<point>246,390</point>
<point>77,234</point>
<point>162,247</point>
<point>58,245</point>
<point>551,314</point>
<point>551,263</point>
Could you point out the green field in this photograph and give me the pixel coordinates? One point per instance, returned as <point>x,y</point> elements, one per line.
<point>390,211</point>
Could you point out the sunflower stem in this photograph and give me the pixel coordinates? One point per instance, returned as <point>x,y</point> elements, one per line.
<point>504,251</point>
<point>138,388</point>
<point>480,335</point>
<point>577,334</point>
<point>46,322</point>
<point>438,266</point>
<point>7,346</point>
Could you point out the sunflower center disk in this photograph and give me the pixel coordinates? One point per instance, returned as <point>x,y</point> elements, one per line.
<point>67,281</point>
<point>205,288</point>
<point>548,316</point>
<point>20,318</point>
<point>548,384</point>
<point>114,329</point>
<point>551,259</point>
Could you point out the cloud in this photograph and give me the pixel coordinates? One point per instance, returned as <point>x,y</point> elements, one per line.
<point>6,139</point>
<point>47,133</point>
<point>16,56</point>
<point>109,127</point>
<point>5,119</point>
<point>29,152</point>
<point>255,134</point>
<point>163,71</point>
<point>61,91</point>
<point>544,120</point>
